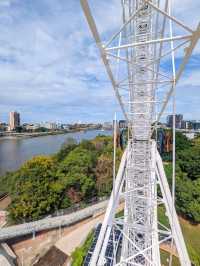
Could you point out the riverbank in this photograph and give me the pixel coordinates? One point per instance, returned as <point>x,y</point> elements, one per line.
<point>14,135</point>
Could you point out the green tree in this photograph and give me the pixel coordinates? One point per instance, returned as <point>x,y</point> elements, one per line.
<point>79,160</point>
<point>182,142</point>
<point>65,149</point>
<point>194,205</point>
<point>188,197</point>
<point>189,161</point>
<point>87,145</point>
<point>79,187</point>
<point>77,170</point>
<point>19,129</point>
<point>104,169</point>
<point>7,182</point>
<point>104,174</point>
<point>37,190</point>
<point>101,142</point>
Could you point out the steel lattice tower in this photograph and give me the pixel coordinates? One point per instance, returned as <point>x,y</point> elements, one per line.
<point>133,59</point>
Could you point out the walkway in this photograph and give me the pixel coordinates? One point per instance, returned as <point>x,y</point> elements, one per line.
<point>51,223</point>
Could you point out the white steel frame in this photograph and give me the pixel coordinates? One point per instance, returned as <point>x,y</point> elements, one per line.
<point>133,58</point>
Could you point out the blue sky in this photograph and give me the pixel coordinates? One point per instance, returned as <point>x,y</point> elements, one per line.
<point>50,69</point>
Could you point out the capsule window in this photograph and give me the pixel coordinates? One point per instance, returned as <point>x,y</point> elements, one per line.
<point>141,93</point>
<point>142,70</point>
<point>145,7</point>
<point>142,56</point>
<point>144,10</point>
<point>142,28</point>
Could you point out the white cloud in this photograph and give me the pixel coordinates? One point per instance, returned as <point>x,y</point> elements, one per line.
<point>49,62</point>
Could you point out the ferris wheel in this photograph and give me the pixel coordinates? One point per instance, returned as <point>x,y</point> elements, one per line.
<point>140,60</point>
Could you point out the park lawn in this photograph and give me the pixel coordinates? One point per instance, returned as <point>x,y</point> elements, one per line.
<point>165,259</point>
<point>191,235</point>
<point>162,217</point>
<point>79,254</point>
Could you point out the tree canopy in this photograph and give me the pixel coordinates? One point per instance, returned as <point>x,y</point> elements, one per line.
<point>48,183</point>
<point>79,172</point>
<point>36,190</point>
<point>187,177</point>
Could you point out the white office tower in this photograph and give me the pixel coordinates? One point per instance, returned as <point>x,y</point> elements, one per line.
<point>140,61</point>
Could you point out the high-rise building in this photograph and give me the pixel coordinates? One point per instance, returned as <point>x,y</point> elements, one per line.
<point>14,120</point>
<point>123,124</point>
<point>178,121</point>
<point>186,124</point>
<point>195,124</point>
<point>49,125</point>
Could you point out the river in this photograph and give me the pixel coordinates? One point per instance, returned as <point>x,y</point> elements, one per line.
<point>15,151</point>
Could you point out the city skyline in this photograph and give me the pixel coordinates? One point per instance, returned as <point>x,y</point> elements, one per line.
<point>22,122</point>
<point>55,73</point>
<point>58,121</point>
<point>43,121</point>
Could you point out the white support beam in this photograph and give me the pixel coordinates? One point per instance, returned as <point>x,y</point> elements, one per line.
<point>109,215</point>
<point>119,57</point>
<point>96,36</point>
<point>169,16</point>
<point>133,63</point>
<point>167,53</point>
<point>156,250</point>
<point>131,45</point>
<point>174,223</point>
<point>147,82</point>
<point>128,260</point>
<point>123,26</point>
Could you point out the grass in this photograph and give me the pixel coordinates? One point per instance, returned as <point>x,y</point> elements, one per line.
<point>119,214</point>
<point>192,238</point>
<point>162,217</point>
<point>79,253</point>
<point>191,235</point>
<point>165,259</point>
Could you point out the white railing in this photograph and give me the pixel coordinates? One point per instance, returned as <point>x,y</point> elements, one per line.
<point>51,222</point>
